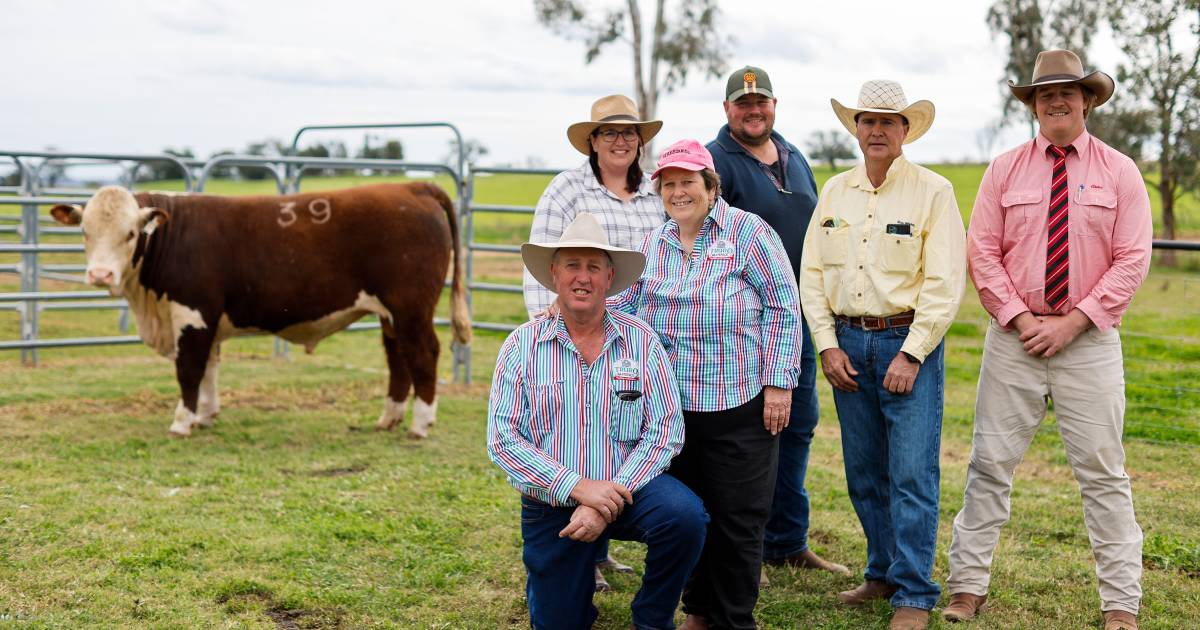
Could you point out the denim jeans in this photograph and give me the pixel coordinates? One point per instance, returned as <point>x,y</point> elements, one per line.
<point>891,445</point>
<point>665,515</point>
<point>787,528</point>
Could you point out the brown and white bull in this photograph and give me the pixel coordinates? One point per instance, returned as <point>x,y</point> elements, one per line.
<point>199,269</point>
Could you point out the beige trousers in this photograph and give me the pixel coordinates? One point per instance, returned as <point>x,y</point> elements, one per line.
<point>1087,384</point>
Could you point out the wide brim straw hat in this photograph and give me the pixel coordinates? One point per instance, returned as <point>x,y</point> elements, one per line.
<point>611,110</point>
<point>585,231</point>
<point>886,97</point>
<point>1063,66</point>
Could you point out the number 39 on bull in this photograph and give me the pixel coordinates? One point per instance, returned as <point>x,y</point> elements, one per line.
<point>199,269</point>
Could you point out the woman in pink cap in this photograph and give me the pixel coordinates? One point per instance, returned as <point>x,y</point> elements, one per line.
<point>719,292</point>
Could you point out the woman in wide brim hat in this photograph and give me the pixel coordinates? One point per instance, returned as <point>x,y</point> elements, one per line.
<point>611,186</point>
<point>886,97</point>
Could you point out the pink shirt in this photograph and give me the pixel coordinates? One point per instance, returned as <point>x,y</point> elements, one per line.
<point>1110,231</point>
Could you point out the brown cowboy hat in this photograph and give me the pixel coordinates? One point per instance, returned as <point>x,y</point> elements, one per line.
<point>1063,66</point>
<point>611,110</point>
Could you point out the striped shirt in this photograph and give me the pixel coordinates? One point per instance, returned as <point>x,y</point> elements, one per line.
<point>553,419</point>
<point>626,223</point>
<point>729,316</point>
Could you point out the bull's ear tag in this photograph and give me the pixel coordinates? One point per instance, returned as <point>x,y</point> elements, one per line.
<point>151,218</point>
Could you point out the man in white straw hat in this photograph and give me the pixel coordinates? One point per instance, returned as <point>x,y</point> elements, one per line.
<point>881,280</point>
<point>584,416</point>
<point>1059,242</point>
<point>610,185</point>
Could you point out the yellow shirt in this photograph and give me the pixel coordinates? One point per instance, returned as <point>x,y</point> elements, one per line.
<point>852,265</point>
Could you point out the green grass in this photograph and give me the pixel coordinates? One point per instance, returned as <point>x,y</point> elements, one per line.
<point>292,512</point>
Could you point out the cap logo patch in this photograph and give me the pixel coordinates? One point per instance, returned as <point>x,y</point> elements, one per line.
<point>750,83</point>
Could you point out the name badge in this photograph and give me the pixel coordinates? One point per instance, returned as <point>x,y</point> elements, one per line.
<point>721,250</point>
<point>626,370</point>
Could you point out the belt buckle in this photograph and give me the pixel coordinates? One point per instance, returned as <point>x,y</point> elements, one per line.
<point>874,323</point>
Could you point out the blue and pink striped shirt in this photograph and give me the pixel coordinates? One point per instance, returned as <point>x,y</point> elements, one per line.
<point>553,419</point>
<point>728,316</point>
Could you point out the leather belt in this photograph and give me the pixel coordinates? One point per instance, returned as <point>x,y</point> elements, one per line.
<point>878,323</point>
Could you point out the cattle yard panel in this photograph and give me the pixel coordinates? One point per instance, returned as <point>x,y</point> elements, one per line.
<point>29,195</point>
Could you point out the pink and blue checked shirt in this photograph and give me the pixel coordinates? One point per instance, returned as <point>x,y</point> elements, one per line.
<point>552,419</point>
<point>728,316</point>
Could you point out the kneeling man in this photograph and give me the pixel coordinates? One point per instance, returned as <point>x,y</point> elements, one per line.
<point>584,416</point>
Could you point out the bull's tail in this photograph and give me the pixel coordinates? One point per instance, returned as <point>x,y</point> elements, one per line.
<point>460,314</point>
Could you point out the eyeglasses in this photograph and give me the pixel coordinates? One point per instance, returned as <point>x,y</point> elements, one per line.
<point>610,135</point>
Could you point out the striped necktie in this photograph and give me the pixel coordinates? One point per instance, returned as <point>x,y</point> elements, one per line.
<point>1057,242</point>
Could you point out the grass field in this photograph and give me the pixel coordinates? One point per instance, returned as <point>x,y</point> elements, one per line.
<point>293,513</point>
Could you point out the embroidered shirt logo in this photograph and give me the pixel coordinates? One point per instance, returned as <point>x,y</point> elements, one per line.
<point>626,369</point>
<point>721,250</point>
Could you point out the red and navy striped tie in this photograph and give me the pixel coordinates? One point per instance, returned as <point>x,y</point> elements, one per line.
<point>1057,243</point>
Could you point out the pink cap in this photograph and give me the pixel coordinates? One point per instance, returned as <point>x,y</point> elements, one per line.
<point>686,154</point>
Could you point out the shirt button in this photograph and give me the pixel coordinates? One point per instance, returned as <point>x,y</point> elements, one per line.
<point>869,216</point>
<point>864,240</point>
<point>860,266</point>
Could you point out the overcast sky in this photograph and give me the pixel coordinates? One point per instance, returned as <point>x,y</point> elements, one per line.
<point>138,76</point>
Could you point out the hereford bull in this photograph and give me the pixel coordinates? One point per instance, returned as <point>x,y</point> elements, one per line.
<point>198,269</point>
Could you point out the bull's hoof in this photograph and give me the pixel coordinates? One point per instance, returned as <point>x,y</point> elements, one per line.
<point>180,429</point>
<point>385,424</point>
<point>205,422</point>
<point>413,435</point>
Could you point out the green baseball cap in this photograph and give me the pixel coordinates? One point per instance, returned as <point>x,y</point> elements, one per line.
<point>748,80</point>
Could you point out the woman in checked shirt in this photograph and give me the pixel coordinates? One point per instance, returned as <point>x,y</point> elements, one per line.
<point>719,292</point>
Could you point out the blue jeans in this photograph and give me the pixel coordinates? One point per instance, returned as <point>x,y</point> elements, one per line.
<point>665,515</point>
<point>891,444</point>
<point>787,528</point>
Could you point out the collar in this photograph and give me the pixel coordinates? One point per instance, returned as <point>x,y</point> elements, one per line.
<point>727,142</point>
<point>590,181</point>
<point>556,328</point>
<point>1081,142</point>
<point>858,176</point>
<point>719,215</point>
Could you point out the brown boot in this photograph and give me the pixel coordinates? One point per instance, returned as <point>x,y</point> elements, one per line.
<point>906,618</point>
<point>694,622</point>
<point>808,559</point>
<point>763,580</point>
<point>964,607</point>
<point>867,591</point>
<point>1119,620</point>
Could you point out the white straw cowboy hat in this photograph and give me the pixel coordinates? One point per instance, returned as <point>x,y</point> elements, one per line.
<point>584,231</point>
<point>611,110</point>
<point>886,97</point>
<point>1063,66</point>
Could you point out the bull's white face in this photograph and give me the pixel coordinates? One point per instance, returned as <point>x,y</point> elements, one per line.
<point>111,222</point>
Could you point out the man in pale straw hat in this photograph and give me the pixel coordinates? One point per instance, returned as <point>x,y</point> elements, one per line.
<point>1059,241</point>
<point>881,280</point>
<point>584,416</point>
<point>763,173</point>
<point>611,186</point>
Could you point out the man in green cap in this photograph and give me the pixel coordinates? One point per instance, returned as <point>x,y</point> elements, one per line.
<point>767,175</point>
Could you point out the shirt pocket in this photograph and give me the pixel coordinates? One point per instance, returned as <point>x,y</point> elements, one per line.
<point>1022,209</point>
<point>899,253</point>
<point>625,425</point>
<point>547,404</point>
<point>1099,210</point>
<point>835,245</point>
